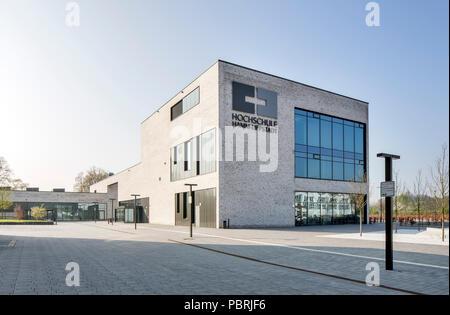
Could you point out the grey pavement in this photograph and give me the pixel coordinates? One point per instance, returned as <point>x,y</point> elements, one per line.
<point>119,260</point>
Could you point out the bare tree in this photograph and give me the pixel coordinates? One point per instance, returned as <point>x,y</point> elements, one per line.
<point>361,195</point>
<point>6,177</point>
<point>5,172</point>
<point>93,176</point>
<point>439,182</point>
<point>398,192</point>
<point>419,191</point>
<point>432,191</point>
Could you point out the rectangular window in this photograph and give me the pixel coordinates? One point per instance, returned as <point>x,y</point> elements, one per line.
<point>359,140</point>
<point>188,155</point>
<point>338,171</point>
<point>313,168</point>
<point>325,134</point>
<point>177,202</point>
<point>349,172</point>
<point>185,205</point>
<point>338,137</point>
<point>349,138</point>
<point>208,152</point>
<point>314,215</point>
<point>191,100</point>
<point>196,156</point>
<point>359,173</point>
<point>175,155</point>
<point>326,169</point>
<point>300,167</point>
<point>300,129</point>
<point>313,132</point>
<point>176,110</point>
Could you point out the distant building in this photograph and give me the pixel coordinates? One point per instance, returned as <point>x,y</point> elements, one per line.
<point>62,205</point>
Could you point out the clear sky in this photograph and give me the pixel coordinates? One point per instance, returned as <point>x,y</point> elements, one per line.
<point>74,97</point>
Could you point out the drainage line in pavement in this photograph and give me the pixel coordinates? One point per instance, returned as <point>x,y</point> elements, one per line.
<point>295,268</point>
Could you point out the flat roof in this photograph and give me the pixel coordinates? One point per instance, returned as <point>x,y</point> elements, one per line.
<point>56,192</point>
<point>258,71</point>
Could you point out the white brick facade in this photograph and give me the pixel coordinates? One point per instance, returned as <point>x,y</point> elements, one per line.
<point>245,196</point>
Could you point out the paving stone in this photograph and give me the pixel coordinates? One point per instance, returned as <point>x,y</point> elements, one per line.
<point>118,260</point>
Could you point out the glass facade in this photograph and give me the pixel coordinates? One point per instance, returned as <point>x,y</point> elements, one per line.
<point>67,211</point>
<point>313,208</point>
<point>328,147</point>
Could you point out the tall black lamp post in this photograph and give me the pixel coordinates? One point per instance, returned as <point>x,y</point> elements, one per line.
<point>191,204</point>
<point>135,217</point>
<point>388,190</point>
<point>112,210</point>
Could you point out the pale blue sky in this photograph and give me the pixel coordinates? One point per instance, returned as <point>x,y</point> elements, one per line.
<point>71,98</point>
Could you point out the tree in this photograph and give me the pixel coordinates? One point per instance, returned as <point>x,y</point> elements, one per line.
<point>5,172</point>
<point>360,197</point>
<point>403,201</point>
<point>439,182</point>
<point>398,192</point>
<point>6,177</point>
<point>418,193</point>
<point>435,197</point>
<point>38,212</point>
<point>93,176</point>
<point>5,199</point>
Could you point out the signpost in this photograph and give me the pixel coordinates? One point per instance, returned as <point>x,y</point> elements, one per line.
<point>388,189</point>
<point>135,217</point>
<point>112,210</point>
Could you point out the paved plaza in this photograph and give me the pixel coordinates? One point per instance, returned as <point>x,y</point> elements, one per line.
<point>158,259</point>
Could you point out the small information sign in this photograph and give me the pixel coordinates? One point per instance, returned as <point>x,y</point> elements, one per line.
<point>387,189</point>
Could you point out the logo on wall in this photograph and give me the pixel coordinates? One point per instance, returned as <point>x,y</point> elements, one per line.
<point>260,106</point>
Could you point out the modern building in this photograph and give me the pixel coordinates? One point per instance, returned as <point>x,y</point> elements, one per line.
<point>62,205</point>
<point>263,151</point>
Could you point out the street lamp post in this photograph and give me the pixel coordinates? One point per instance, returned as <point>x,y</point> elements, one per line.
<point>388,207</point>
<point>191,204</point>
<point>112,210</point>
<point>95,211</point>
<point>135,222</point>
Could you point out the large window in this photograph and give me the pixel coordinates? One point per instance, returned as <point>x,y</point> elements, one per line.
<point>328,147</point>
<point>313,208</point>
<point>185,104</point>
<point>196,156</point>
<point>66,211</point>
